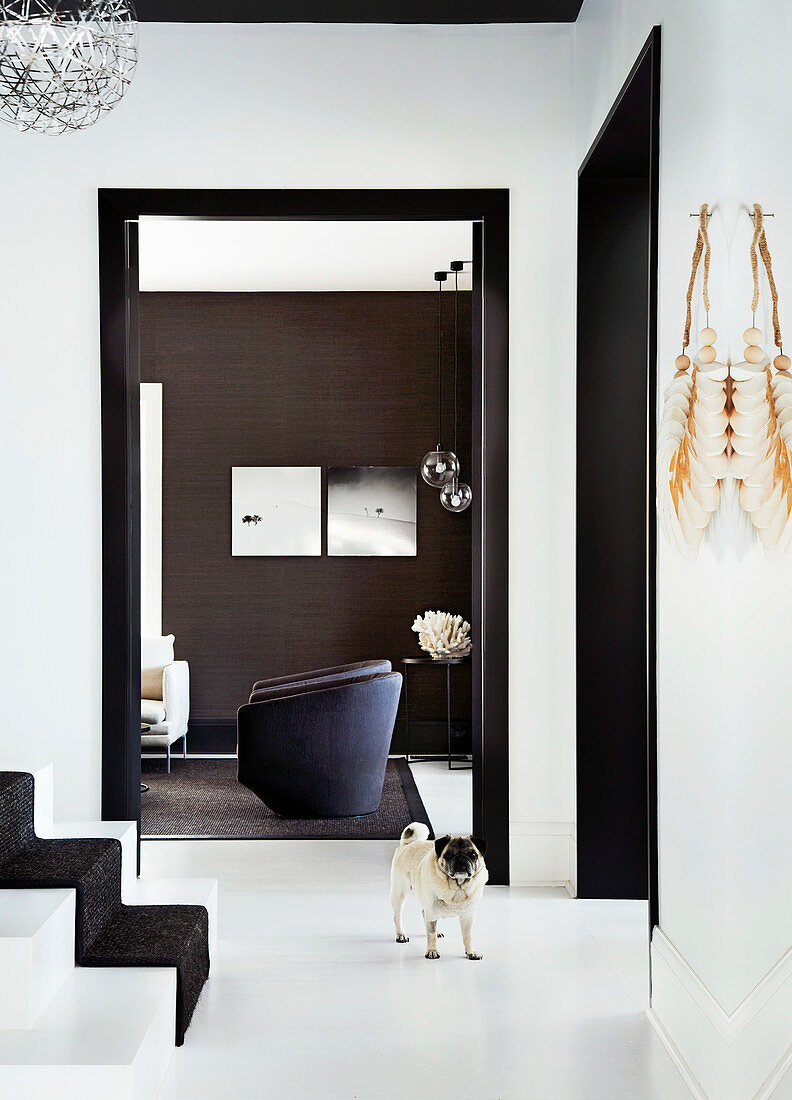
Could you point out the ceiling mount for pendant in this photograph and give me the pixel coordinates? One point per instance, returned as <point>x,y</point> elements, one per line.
<point>456,495</point>
<point>438,467</point>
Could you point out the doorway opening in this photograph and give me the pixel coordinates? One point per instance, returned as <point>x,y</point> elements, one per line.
<point>129,343</point>
<point>616,531</point>
<point>292,376</point>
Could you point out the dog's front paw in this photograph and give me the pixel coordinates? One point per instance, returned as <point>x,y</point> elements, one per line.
<point>431,955</point>
<point>474,955</point>
<point>402,939</point>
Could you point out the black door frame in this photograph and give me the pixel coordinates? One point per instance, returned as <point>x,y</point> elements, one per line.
<point>650,56</point>
<point>488,209</point>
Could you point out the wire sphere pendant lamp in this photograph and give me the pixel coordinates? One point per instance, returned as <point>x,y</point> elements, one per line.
<point>64,63</point>
<point>456,495</point>
<point>439,467</point>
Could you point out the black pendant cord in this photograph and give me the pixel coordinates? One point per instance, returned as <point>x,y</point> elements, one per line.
<point>456,266</point>
<point>440,277</point>
<point>439,365</point>
<point>456,357</point>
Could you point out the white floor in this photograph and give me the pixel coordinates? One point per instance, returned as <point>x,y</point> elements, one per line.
<point>447,795</point>
<point>310,997</point>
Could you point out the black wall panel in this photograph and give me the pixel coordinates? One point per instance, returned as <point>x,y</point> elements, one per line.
<point>302,379</point>
<point>615,581</point>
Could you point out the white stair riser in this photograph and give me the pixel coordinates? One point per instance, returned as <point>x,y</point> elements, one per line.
<point>156,1051</point>
<point>107,1036</point>
<point>65,1082</point>
<point>37,960</point>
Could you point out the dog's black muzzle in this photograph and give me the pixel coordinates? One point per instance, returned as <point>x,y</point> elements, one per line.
<point>460,866</point>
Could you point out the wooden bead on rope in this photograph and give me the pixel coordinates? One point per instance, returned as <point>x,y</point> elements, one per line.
<point>707,354</point>
<point>753,354</point>
<point>682,362</point>
<point>782,362</point>
<point>753,336</point>
<point>709,336</point>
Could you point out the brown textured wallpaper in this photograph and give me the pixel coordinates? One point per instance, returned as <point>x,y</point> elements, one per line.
<point>315,379</point>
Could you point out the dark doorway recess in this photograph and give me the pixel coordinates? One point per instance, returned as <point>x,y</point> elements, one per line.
<point>616,536</point>
<point>119,211</point>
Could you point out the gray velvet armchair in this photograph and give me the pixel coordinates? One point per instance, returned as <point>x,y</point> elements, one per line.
<point>336,672</point>
<point>319,748</point>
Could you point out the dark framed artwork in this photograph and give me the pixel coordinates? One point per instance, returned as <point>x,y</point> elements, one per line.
<point>372,511</point>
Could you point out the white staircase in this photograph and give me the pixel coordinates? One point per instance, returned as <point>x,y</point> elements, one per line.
<point>79,1032</point>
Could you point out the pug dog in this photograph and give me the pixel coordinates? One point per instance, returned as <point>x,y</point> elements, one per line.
<point>447,875</point>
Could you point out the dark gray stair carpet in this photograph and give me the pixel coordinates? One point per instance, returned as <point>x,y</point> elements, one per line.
<point>107,932</point>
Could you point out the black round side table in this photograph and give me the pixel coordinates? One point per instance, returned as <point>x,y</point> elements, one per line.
<point>447,663</point>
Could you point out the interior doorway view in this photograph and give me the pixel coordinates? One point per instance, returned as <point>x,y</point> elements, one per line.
<point>286,403</point>
<point>289,359</point>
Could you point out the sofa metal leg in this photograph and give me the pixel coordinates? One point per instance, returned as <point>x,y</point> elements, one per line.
<point>168,752</point>
<point>184,748</point>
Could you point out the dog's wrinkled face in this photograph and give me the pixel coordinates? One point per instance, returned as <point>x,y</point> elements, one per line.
<point>460,857</point>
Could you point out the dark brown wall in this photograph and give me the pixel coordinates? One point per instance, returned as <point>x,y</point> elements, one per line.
<point>314,379</point>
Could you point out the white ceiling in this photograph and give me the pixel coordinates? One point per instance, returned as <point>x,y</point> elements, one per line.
<point>182,254</point>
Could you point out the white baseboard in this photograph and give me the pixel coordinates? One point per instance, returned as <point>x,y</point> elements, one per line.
<point>738,1055</point>
<point>685,1071</point>
<point>573,878</point>
<point>541,853</point>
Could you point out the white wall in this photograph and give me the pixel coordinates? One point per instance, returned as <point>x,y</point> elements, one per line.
<point>179,254</point>
<point>150,509</point>
<point>725,750</point>
<point>271,106</point>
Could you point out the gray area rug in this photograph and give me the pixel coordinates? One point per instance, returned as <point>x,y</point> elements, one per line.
<point>202,798</point>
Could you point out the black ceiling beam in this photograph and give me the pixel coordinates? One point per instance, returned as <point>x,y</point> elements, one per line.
<point>358,11</point>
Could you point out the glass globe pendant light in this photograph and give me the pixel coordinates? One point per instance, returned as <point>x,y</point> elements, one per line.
<point>456,495</point>
<point>439,467</point>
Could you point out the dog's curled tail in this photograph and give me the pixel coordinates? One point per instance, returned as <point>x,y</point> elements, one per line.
<point>415,831</point>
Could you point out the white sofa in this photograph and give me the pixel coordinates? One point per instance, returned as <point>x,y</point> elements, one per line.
<point>165,695</point>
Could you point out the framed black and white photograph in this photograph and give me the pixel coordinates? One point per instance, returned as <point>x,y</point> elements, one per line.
<point>371,511</point>
<point>276,511</point>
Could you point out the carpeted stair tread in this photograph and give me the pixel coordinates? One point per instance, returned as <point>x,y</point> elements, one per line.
<point>159,935</point>
<point>107,933</point>
<point>92,867</point>
<point>16,812</point>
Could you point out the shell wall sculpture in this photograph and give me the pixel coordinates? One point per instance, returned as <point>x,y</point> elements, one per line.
<point>692,440</point>
<point>760,420</point>
<point>443,635</point>
<point>691,455</point>
<point>726,431</point>
<point>761,435</point>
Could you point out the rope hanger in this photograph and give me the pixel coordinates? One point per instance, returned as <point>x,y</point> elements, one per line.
<point>759,244</point>
<point>702,247</point>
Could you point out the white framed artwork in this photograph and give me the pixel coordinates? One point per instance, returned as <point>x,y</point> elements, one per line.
<point>276,511</point>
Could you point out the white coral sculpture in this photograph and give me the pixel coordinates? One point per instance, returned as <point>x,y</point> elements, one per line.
<point>761,421</point>
<point>443,635</point>
<point>692,442</point>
